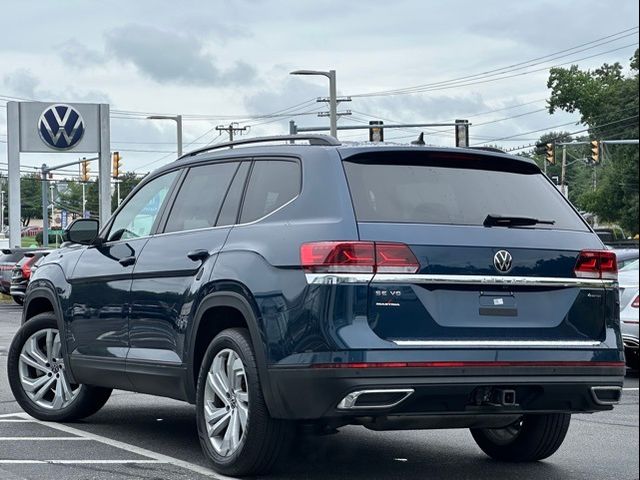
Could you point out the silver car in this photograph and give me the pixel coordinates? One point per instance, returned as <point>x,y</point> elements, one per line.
<point>629,303</point>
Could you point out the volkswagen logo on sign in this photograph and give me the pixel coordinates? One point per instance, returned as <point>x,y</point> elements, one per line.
<point>502,260</point>
<point>61,126</point>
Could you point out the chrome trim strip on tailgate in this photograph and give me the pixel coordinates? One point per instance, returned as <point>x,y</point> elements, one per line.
<point>497,343</point>
<point>337,278</point>
<point>492,280</point>
<point>395,278</point>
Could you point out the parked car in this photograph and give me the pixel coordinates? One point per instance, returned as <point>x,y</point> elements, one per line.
<point>21,273</point>
<point>329,285</point>
<point>626,256</point>
<point>8,258</point>
<point>629,304</point>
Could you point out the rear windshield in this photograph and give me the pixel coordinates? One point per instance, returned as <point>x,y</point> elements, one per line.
<point>454,195</point>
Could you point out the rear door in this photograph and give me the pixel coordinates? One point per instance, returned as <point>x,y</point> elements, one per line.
<point>171,269</point>
<point>475,283</point>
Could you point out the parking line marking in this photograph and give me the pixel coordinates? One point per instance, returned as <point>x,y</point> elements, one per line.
<point>71,462</point>
<point>630,389</point>
<point>31,439</point>
<point>158,457</point>
<point>14,420</point>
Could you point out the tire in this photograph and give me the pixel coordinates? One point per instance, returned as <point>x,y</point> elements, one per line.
<point>532,438</point>
<point>261,440</point>
<point>78,401</point>
<point>18,300</point>
<point>632,359</point>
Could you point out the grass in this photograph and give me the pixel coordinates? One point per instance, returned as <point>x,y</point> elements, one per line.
<point>29,242</point>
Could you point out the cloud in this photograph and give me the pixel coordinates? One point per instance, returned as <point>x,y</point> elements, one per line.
<point>408,108</point>
<point>24,84</point>
<point>78,55</point>
<point>169,57</point>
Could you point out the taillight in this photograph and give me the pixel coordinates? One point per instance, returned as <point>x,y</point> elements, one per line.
<point>636,302</point>
<point>26,267</point>
<point>597,264</point>
<point>338,257</point>
<point>395,258</point>
<point>357,257</point>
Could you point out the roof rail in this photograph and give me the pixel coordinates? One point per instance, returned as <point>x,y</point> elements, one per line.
<point>325,140</point>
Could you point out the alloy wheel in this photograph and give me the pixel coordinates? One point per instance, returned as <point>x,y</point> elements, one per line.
<point>226,402</point>
<point>42,371</point>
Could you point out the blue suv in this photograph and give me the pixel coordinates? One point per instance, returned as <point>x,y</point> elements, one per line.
<point>280,284</point>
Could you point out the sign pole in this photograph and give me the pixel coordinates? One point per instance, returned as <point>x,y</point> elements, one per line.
<point>45,207</point>
<point>104,166</point>
<point>13,158</point>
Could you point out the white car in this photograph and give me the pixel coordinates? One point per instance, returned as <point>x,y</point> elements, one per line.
<point>629,303</point>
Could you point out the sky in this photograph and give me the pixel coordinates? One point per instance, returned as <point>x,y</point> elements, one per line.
<point>222,61</point>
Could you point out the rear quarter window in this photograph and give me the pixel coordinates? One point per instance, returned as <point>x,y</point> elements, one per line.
<point>451,193</point>
<point>272,184</point>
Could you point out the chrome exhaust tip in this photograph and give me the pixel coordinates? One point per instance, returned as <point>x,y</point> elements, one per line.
<point>374,399</point>
<point>606,395</point>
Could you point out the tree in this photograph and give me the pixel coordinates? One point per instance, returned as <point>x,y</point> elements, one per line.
<point>608,102</point>
<point>128,182</point>
<point>30,197</point>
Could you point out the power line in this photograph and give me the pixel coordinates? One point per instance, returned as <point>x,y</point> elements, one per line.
<point>510,68</point>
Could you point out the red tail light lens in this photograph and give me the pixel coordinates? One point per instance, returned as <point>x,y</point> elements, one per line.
<point>636,302</point>
<point>358,257</point>
<point>597,264</point>
<point>395,258</point>
<point>338,257</point>
<point>26,267</point>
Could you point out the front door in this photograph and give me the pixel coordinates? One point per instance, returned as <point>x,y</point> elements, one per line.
<point>101,282</point>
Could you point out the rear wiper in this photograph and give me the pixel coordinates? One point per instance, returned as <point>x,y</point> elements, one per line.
<point>506,221</point>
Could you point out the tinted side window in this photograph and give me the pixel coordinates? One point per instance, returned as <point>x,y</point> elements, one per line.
<point>139,213</point>
<point>231,205</point>
<point>272,184</point>
<point>200,197</point>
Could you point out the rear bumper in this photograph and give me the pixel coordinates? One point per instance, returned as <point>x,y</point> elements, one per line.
<point>316,393</point>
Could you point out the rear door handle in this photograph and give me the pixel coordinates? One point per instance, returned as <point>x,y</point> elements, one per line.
<point>198,255</point>
<point>127,261</point>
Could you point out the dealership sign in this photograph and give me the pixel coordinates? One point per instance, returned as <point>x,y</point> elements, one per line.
<point>55,127</point>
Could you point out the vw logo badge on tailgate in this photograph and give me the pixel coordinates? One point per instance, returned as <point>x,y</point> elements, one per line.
<point>61,126</point>
<point>502,260</point>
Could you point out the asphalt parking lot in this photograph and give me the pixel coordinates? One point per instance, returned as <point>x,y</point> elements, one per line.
<point>143,437</point>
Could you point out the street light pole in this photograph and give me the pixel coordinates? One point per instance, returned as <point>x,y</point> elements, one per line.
<point>2,211</point>
<point>333,98</point>
<point>333,104</point>
<point>178,120</point>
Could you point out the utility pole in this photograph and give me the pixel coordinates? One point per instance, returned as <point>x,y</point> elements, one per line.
<point>231,129</point>
<point>563,172</point>
<point>333,99</point>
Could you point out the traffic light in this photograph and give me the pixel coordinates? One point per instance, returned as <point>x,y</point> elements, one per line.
<point>85,170</point>
<point>462,133</point>
<point>595,151</point>
<point>551,154</point>
<point>116,164</point>
<point>376,132</point>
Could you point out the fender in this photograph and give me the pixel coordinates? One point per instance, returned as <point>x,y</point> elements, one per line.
<point>242,304</point>
<point>45,289</point>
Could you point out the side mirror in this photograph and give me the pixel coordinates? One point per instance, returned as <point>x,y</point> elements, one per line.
<point>83,231</point>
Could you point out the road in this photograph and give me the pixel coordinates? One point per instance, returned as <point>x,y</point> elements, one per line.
<point>138,436</point>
